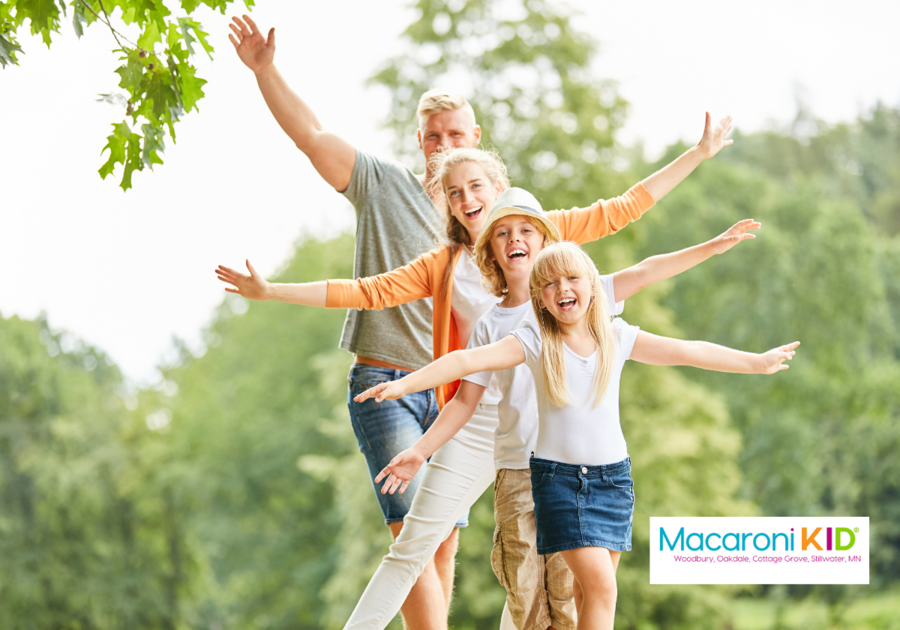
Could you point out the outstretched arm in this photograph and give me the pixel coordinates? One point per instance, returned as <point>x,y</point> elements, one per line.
<point>332,156</point>
<point>453,416</point>
<point>656,350</point>
<point>500,355</point>
<point>255,287</point>
<point>650,270</point>
<point>664,180</point>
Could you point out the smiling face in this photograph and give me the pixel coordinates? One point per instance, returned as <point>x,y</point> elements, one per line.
<point>515,242</point>
<point>448,129</point>
<point>567,298</point>
<point>470,195</point>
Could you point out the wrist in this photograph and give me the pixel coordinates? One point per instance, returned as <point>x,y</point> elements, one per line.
<point>263,73</point>
<point>419,452</point>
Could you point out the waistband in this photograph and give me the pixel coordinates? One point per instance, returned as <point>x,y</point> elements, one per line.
<point>574,470</point>
<point>358,369</point>
<point>361,360</point>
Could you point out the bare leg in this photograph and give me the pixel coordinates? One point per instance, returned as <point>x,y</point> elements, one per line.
<point>425,607</point>
<point>594,569</point>
<point>445,563</point>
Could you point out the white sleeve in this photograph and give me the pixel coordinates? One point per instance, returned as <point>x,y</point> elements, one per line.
<point>626,335</point>
<point>615,308</point>
<point>479,338</point>
<point>530,337</point>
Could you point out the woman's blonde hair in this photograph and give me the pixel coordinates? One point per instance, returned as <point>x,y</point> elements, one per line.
<point>560,260</point>
<point>492,278</point>
<point>441,164</point>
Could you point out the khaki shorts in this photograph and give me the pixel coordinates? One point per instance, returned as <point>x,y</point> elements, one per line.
<point>539,589</point>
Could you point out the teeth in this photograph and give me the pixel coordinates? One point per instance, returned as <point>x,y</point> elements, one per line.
<point>516,253</point>
<point>473,210</point>
<point>566,301</point>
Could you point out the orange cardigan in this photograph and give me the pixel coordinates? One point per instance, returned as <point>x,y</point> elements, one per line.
<point>424,277</point>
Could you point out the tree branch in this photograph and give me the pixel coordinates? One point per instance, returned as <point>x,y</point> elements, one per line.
<point>106,21</point>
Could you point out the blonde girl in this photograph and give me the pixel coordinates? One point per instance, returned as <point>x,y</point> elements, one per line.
<point>580,471</point>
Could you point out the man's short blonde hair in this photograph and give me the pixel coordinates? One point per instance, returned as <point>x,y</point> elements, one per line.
<point>438,100</point>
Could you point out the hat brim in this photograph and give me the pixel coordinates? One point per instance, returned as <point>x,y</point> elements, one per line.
<point>525,211</point>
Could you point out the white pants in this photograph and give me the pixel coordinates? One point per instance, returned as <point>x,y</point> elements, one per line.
<point>458,473</point>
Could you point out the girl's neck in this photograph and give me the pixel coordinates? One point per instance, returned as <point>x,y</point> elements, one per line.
<point>576,330</point>
<point>517,294</point>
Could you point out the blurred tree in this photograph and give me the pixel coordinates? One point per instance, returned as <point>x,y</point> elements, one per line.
<point>87,538</point>
<point>157,73</point>
<point>824,270</point>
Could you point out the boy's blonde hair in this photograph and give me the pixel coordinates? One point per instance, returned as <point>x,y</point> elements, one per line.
<point>492,278</point>
<point>438,100</point>
<point>441,163</point>
<point>559,260</point>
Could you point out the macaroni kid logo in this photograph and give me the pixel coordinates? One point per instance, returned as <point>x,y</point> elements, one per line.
<point>745,550</point>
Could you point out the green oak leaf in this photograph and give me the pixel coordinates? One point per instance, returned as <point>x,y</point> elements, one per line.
<point>8,50</point>
<point>79,19</point>
<point>115,142</point>
<point>153,143</point>
<point>188,25</point>
<point>44,16</point>
<point>150,36</point>
<point>132,160</point>
<point>191,86</point>
<point>132,73</point>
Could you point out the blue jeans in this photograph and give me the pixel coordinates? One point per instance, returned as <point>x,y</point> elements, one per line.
<point>385,429</point>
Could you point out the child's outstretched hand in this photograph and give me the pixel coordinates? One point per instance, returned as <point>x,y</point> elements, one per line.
<point>714,137</point>
<point>252,287</point>
<point>392,390</point>
<point>773,360</point>
<point>400,471</point>
<point>734,235</point>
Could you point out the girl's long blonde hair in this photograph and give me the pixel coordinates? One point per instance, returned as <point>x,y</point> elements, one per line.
<point>441,163</point>
<point>561,260</point>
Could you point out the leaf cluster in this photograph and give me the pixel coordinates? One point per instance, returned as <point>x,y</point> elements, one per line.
<point>157,73</point>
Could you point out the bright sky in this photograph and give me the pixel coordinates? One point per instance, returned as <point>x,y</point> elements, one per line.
<point>126,272</point>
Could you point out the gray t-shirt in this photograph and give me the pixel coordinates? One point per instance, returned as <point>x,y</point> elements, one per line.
<point>395,223</point>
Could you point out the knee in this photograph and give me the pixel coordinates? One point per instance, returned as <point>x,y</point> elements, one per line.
<point>446,551</point>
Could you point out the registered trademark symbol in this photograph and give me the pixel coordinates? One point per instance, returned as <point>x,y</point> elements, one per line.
<point>856,529</point>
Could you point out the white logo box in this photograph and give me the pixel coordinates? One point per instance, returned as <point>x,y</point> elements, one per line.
<point>739,550</point>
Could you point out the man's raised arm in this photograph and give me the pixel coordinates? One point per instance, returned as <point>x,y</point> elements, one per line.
<point>332,156</point>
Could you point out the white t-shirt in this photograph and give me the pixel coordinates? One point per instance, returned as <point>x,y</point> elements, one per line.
<point>579,434</point>
<point>513,390</point>
<point>468,301</point>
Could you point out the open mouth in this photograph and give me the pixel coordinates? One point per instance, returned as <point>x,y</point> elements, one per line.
<point>516,254</point>
<point>566,304</point>
<point>474,212</point>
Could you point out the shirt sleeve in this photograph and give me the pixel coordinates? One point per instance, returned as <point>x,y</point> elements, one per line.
<point>603,217</point>
<point>530,337</point>
<point>609,290</point>
<point>626,335</point>
<point>370,173</point>
<point>479,338</point>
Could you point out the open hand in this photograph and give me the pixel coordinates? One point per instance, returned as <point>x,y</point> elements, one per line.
<point>252,287</point>
<point>714,137</point>
<point>734,235</point>
<point>400,471</point>
<point>257,52</point>
<point>392,390</point>
<point>773,360</point>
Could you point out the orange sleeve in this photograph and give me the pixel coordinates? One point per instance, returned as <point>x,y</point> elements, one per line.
<point>405,284</point>
<point>604,217</point>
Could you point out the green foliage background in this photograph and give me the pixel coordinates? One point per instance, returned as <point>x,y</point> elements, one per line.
<point>233,495</point>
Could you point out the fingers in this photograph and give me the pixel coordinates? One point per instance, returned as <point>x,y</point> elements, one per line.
<point>403,488</point>
<point>237,31</point>
<point>253,28</point>
<point>707,125</point>
<point>384,473</point>
<point>244,30</point>
<point>232,290</point>
<point>233,40</point>
<point>791,346</point>
<point>270,41</point>
<point>252,271</point>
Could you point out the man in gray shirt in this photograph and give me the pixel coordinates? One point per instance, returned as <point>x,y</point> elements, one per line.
<point>396,222</point>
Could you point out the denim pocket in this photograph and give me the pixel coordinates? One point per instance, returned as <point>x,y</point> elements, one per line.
<point>540,482</point>
<point>621,480</point>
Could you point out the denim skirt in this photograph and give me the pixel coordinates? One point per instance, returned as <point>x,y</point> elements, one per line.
<point>582,506</point>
